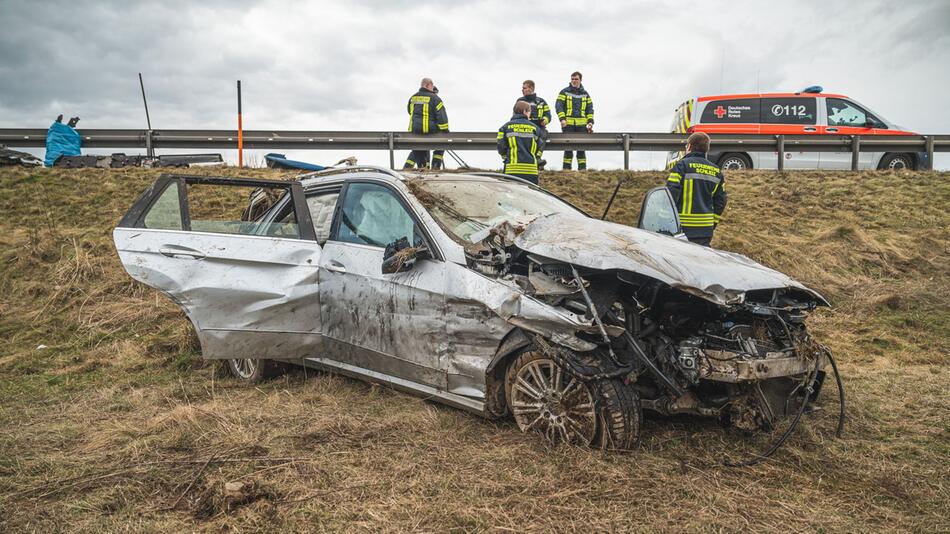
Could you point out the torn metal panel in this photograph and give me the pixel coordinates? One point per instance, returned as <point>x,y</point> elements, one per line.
<point>715,275</point>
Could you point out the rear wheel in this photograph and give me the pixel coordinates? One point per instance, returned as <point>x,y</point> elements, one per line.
<point>252,370</point>
<point>735,162</point>
<point>897,162</point>
<point>545,398</point>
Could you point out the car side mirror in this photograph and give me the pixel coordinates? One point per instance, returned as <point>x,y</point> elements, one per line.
<point>400,256</point>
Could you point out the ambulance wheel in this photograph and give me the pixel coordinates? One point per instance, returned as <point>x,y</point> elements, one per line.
<point>897,162</point>
<point>735,162</point>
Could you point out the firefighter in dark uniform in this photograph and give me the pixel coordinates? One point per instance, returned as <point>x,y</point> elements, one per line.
<point>520,144</point>
<point>699,189</point>
<point>540,111</point>
<point>575,109</point>
<point>426,116</point>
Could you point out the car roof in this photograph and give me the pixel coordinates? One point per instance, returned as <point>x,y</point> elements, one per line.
<point>362,171</point>
<point>768,95</point>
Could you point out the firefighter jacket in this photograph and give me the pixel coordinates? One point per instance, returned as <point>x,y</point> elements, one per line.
<point>699,189</point>
<point>427,113</point>
<point>575,106</point>
<point>520,145</point>
<point>539,109</point>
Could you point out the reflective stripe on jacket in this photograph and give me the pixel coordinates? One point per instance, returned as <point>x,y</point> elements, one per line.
<point>427,113</point>
<point>699,189</point>
<point>520,144</point>
<point>540,111</point>
<point>574,106</point>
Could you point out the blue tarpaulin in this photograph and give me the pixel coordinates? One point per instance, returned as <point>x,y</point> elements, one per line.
<point>61,140</point>
<point>278,161</point>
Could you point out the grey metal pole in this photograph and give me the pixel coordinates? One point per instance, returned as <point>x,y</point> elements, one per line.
<point>930,152</point>
<point>392,156</point>
<point>149,151</point>
<point>626,152</point>
<point>855,151</point>
<point>148,121</point>
<point>781,152</point>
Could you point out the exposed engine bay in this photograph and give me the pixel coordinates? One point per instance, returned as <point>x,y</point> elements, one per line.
<point>744,363</point>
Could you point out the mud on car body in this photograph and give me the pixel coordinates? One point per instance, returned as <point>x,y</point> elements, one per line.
<point>481,291</point>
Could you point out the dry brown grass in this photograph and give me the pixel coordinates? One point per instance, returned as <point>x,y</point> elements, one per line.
<point>118,425</point>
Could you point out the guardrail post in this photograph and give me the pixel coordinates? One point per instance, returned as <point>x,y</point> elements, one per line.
<point>855,151</point>
<point>392,155</point>
<point>149,151</point>
<point>626,152</point>
<point>781,151</point>
<point>930,152</point>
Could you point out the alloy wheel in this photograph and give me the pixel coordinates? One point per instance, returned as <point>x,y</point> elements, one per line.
<point>547,400</point>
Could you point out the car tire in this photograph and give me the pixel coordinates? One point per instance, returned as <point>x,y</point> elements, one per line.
<point>621,415</point>
<point>897,162</point>
<point>253,371</point>
<point>544,397</point>
<point>735,162</point>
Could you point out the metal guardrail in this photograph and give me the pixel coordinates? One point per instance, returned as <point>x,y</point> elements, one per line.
<point>391,141</point>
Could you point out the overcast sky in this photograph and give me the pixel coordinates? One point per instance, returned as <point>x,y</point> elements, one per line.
<point>352,65</point>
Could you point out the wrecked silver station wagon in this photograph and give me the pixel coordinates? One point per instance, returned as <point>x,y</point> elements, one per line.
<point>481,291</point>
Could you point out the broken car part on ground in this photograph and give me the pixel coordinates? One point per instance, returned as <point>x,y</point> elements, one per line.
<point>481,291</point>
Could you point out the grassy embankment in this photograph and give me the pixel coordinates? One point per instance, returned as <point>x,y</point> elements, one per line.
<point>111,420</point>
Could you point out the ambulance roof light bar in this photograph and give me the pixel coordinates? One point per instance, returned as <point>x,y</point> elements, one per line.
<point>813,89</point>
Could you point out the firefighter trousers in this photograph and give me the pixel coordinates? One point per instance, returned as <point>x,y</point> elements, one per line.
<point>569,155</point>
<point>418,159</point>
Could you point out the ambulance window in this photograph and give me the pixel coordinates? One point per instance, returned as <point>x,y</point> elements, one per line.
<point>788,110</point>
<point>733,111</point>
<point>844,113</point>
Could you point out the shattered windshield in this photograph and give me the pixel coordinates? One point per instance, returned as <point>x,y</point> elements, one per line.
<point>464,207</point>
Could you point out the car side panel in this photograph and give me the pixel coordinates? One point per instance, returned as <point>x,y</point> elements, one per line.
<point>389,323</point>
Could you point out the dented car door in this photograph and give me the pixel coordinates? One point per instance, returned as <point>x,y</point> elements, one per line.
<point>392,324</point>
<point>249,287</point>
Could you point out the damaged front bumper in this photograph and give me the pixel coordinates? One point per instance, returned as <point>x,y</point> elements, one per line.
<point>725,366</point>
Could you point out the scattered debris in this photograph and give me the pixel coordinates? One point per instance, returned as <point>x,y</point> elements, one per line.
<point>119,160</point>
<point>15,157</point>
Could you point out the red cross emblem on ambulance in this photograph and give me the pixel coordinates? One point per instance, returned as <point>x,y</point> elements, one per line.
<point>720,112</point>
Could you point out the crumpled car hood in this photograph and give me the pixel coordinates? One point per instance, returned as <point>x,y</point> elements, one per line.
<point>715,275</point>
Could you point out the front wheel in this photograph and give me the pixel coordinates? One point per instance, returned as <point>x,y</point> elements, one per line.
<point>252,370</point>
<point>545,398</point>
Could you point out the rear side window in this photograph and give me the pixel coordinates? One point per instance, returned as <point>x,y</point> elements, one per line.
<point>220,209</point>
<point>789,111</point>
<point>735,111</point>
<point>220,205</point>
<point>322,206</point>
<point>165,213</point>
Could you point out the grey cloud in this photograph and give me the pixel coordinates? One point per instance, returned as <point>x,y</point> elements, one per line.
<point>351,65</point>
